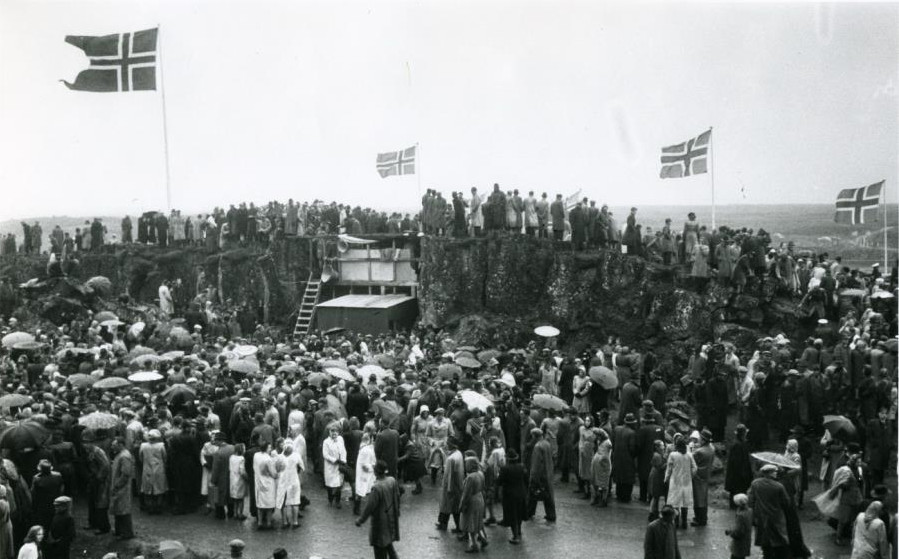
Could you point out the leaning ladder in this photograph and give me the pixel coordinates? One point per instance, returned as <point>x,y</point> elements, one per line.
<point>307,308</point>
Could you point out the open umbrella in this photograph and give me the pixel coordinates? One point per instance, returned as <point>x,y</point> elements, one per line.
<point>170,549</point>
<point>105,315</point>
<point>465,354</point>
<point>488,354</point>
<point>139,351</point>
<point>243,367</point>
<point>335,330</point>
<point>73,351</point>
<point>111,383</point>
<point>28,346</point>
<point>549,402</point>
<point>852,292</point>
<point>469,348</point>
<point>80,380</point>
<point>246,350</point>
<point>172,355</point>
<point>604,377</point>
<point>136,328</point>
<point>316,379</point>
<point>468,362</point>
<point>546,331</point>
<point>23,434</point>
<point>145,376</point>
<point>475,400</point>
<point>508,380</point>
<point>15,400</point>
<point>882,295</point>
<point>12,339</point>
<point>449,370</point>
<point>290,367</point>
<point>179,391</point>
<point>146,361</point>
<point>840,427</point>
<point>778,460</point>
<point>366,371</point>
<point>341,374</point>
<point>339,363</point>
<point>99,420</point>
<point>112,324</point>
<point>384,360</point>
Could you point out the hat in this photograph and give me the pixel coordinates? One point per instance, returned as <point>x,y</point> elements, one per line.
<point>630,419</point>
<point>768,468</point>
<point>423,408</point>
<point>536,431</point>
<point>236,544</point>
<point>154,434</point>
<point>89,436</point>
<point>648,404</point>
<point>279,553</point>
<point>741,499</point>
<point>62,500</point>
<point>439,410</point>
<point>706,434</point>
<point>797,430</point>
<point>880,491</point>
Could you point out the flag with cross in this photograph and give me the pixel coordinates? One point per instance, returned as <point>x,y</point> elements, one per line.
<point>857,206</point>
<point>687,158</point>
<point>400,162</point>
<point>118,62</point>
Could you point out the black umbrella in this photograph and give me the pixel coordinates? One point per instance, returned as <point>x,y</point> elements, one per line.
<point>23,434</point>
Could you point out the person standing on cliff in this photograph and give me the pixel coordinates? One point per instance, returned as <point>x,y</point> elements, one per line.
<point>475,215</point>
<point>531,221</point>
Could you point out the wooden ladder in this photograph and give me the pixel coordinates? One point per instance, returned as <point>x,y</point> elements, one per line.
<point>307,308</point>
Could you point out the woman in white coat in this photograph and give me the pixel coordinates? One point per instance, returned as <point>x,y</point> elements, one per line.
<point>290,464</point>
<point>266,485</point>
<point>298,441</point>
<point>679,476</point>
<point>334,453</point>
<point>365,470</point>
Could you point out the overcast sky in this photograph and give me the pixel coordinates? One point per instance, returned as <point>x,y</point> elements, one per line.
<point>271,100</point>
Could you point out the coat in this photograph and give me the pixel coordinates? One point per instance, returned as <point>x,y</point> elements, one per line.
<point>288,487</point>
<point>153,479</point>
<point>646,437</point>
<point>365,478</point>
<point>120,492</point>
<point>220,476</point>
<point>738,471</point>
<point>383,507</point>
<point>58,540</point>
<point>741,534</point>
<point>657,476</point>
<point>237,478</point>
<point>601,465</point>
<point>334,453</point>
<point>512,479</point>
<point>471,504</point>
<point>266,481</point>
<point>387,448</point>
<point>703,458</point>
<point>451,487</point>
<point>660,541</point>
<point>98,484</point>
<point>768,500</point>
<point>624,451</point>
<point>679,475</point>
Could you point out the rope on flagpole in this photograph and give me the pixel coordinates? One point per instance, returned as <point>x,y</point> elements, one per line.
<point>712,157</point>
<point>165,125</point>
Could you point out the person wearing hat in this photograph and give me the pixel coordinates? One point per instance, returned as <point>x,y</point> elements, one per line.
<point>649,410</point>
<point>738,469</point>
<point>541,475</point>
<point>45,487</point>
<point>120,501</point>
<point>624,470</point>
<point>451,488</point>
<point>61,532</point>
<point>99,469</point>
<point>236,547</point>
<point>740,532</point>
<point>512,480</point>
<point>382,506</point>
<point>153,484</point>
<point>647,434</point>
<point>703,456</point>
<point>660,541</point>
<point>768,500</point>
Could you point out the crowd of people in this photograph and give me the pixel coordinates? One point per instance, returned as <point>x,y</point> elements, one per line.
<point>239,426</point>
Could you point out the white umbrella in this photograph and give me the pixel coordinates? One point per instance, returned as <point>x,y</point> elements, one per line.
<point>475,400</point>
<point>145,376</point>
<point>546,331</point>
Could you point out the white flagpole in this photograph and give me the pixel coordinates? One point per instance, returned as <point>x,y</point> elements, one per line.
<point>165,125</point>
<point>418,166</point>
<point>886,265</point>
<point>712,157</point>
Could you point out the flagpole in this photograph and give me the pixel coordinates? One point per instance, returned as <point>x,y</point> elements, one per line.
<point>886,265</point>
<point>418,165</point>
<point>165,125</point>
<point>712,157</point>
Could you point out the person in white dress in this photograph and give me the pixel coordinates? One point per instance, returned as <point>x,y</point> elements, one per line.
<point>334,453</point>
<point>365,469</point>
<point>679,476</point>
<point>266,484</point>
<point>298,441</point>
<point>237,480</point>
<point>166,303</point>
<point>209,450</point>
<point>289,467</point>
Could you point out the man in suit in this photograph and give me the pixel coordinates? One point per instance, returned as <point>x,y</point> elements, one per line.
<point>878,442</point>
<point>120,492</point>
<point>540,486</point>
<point>624,441</point>
<point>557,213</point>
<point>387,446</point>
<point>542,208</point>
<point>703,456</point>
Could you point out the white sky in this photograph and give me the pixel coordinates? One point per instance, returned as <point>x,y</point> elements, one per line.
<point>271,100</point>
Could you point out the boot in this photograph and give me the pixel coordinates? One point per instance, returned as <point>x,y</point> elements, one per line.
<point>683,518</point>
<point>357,502</point>
<point>596,499</point>
<point>433,476</point>
<point>418,488</point>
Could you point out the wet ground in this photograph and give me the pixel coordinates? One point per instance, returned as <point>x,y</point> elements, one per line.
<point>581,531</point>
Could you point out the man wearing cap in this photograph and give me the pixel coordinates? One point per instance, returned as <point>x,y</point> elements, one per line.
<point>120,492</point>
<point>382,505</point>
<point>451,488</point>
<point>648,433</point>
<point>768,500</point>
<point>540,486</point>
<point>61,532</point>
<point>704,455</point>
<point>45,488</point>
<point>624,441</point>
<point>660,541</point>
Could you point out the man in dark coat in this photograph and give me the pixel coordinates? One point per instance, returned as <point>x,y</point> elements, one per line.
<point>631,400</point>
<point>624,443</point>
<point>99,468</point>
<point>451,487</point>
<point>649,432</point>
<point>185,469</point>
<point>716,398</point>
<point>387,447</point>
<point>769,500</point>
<point>738,471</point>
<point>512,480</point>
<point>578,219</point>
<point>219,476</point>
<point>120,490</point>
<point>661,537</point>
<point>540,487</point>
<point>703,456</point>
<point>383,507</point>
<point>879,440</point>
<point>59,537</point>
<point>45,488</point>
<point>557,217</point>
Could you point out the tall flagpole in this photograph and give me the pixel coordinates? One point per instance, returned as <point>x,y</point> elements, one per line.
<point>712,157</point>
<point>418,165</point>
<point>886,264</point>
<point>165,123</point>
